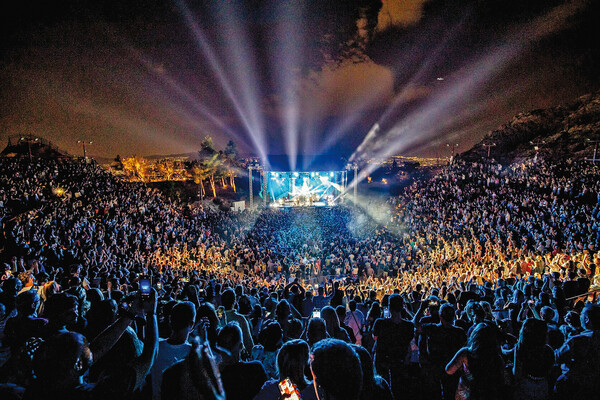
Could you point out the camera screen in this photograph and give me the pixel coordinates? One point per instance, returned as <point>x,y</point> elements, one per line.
<point>145,286</point>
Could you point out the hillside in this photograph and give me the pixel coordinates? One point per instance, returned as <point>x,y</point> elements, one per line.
<point>568,131</point>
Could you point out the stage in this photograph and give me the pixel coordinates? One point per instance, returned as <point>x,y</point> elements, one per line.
<point>305,189</point>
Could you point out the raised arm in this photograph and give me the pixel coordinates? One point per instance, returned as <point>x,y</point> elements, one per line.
<point>143,363</point>
<point>457,361</point>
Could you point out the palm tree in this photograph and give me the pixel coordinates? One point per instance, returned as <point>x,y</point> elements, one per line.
<point>199,174</point>
<point>209,161</point>
<point>231,162</point>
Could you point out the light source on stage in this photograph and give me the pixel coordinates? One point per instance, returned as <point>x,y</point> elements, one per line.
<point>304,188</point>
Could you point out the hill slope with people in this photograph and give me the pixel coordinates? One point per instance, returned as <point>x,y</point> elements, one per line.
<point>565,131</point>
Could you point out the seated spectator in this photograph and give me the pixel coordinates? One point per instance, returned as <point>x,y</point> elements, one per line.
<point>28,280</point>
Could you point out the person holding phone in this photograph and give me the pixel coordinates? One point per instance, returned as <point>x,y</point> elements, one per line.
<point>292,360</point>
<point>63,360</point>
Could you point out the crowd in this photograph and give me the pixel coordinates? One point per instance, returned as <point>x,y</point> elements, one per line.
<point>473,285</point>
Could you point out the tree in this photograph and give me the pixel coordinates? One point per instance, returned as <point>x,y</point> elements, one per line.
<point>166,168</point>
<point>231,162</point>
<point>209,161</point>
<point>199,175</point>
<point>117,163</point>
<point>136,167</point>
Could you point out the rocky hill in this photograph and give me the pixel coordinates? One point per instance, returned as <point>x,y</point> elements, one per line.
<point>569,131</point>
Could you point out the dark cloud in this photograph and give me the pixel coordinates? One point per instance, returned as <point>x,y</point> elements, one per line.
<point>553,59</point>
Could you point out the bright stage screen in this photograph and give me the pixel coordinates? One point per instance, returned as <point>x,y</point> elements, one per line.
<point>301,189</point>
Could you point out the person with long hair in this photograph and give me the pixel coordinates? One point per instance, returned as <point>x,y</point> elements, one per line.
<point>481,365</point>
<point>292,361</point>
<point>533,361</point>
<point>374,387</point>
<point>315,330</point>
<point>332,323</point>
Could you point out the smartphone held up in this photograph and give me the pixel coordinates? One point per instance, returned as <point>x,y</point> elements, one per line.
<point>145,285</point>
<point>288,390</point>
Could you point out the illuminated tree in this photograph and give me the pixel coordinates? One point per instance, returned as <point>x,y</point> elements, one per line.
<point>210,161</point>
<point>136,167</point>
<point>199,175</point>
<point>166,168</point>
<point>231,162</point>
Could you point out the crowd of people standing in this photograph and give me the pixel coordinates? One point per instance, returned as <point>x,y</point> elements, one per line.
<point>473,285</point>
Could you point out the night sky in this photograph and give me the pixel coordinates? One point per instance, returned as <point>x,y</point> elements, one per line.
<point>154,77</point>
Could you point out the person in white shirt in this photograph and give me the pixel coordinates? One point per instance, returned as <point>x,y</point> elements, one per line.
<point>355,319</point>
<point>176,347</point>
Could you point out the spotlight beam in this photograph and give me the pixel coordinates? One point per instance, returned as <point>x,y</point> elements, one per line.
<point>256,135</point>
<point>423,123</point>
<point>288,51</point>
<point>179,90</point>
<point>355,114</point>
